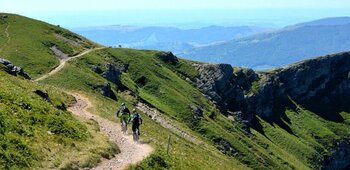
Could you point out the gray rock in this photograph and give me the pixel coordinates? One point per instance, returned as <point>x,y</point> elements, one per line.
<point>218,84</point>
<point>14,70</point>
<point>225,147</point>
<point>168,57</point>
<point>321,83</point>
<point>97,69</point>
<point>197,111</point>
<point>112,74</point>
<point>107,91</point>
<point>43,94</point>
<point>339,157</point>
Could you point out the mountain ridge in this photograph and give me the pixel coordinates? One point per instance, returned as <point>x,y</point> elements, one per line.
<point>276,48</point>
<point>246,119</point>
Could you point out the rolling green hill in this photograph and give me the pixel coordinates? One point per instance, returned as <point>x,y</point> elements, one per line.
<point>39,134</point>
<point>27,42</point>
<point>162,84</point>
<point>294,117</point>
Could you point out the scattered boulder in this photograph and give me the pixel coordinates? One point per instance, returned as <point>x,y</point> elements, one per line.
<point>43,94</point>
<point>225,147</point>
<point>14,70</point>
<point>97,69</point>
<point>106,90</point>
<point>168,57</point>
<point>197,111</point>
<point>112,74</point>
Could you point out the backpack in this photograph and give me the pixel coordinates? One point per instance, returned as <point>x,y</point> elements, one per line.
<point>124,110</point>
<point>136,118</point>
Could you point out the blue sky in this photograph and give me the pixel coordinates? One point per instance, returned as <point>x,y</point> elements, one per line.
<point>80,13</point>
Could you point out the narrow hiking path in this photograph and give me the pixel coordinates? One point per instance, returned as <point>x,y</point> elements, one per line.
<point>131,152</point>
<point>7,33</point>
<point>63,62</point>
<point>7,36</point>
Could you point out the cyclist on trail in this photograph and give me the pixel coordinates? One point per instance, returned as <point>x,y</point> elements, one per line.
<point>125,114</point>
<point>136,121</point>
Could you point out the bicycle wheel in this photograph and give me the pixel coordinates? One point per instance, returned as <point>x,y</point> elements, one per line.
<point>124,128</point>
<point>136,135</point>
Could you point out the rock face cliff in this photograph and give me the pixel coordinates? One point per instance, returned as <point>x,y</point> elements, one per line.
<point>321,85</point>
<point>217,82</point>
<point>339,158</point>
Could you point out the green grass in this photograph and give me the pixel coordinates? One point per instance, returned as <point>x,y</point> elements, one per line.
<point>36,134</point>
<point>26,120</point>
<point>197,156</point>
<point>166,89</point>
<point>30,42</point>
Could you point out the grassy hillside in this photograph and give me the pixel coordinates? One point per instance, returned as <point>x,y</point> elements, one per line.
<point>197,157</point>
<point>27,42</point>
<point>164,86</point>
<point>35,134</point>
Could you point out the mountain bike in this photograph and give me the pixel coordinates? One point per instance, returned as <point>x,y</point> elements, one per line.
<point>135,135</point>
<point>124,127</point>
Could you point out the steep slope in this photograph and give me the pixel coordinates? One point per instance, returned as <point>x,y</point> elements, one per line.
<point>215,116</point>
<point>123,68</point>
<point>278,48</point>
<point>282,141</point>
<point>38,133</point>
<point>36,46</point>
<point>308,100</point>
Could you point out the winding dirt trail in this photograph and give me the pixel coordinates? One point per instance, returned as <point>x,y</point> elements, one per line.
<point>131,152</point>
<point>7,36</point>
<point>63,62</point>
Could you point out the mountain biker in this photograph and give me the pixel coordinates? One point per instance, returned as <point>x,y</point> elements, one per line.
<point>136,121</point>
<point>125,114</point>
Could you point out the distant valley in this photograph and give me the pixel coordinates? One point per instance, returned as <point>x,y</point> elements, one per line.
<point>278,48</point>
<point>164,38</point>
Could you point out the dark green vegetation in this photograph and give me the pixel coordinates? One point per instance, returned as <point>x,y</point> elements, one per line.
<point>163,85</point>
<point>34,133</point>
<point>299,141</point>
<point>27,42</point>
<point>172,99</point>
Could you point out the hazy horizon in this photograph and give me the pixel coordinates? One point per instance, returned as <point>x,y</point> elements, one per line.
<point>181,13</point>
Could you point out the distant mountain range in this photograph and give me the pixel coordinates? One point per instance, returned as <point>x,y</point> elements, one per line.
<point>281,47</point>
<point>164,38</point>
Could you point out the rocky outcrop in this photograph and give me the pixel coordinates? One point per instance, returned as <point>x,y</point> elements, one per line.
<point>320,85</point>
<point>197,111</point>
<point>168,57</point>
<point>225,147</point>
<point>43,94</point>
<point>113,74</point>
<point>339,157</point>
<point>218,84</point>
<point>106,90</point>
<point>14,70</point>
